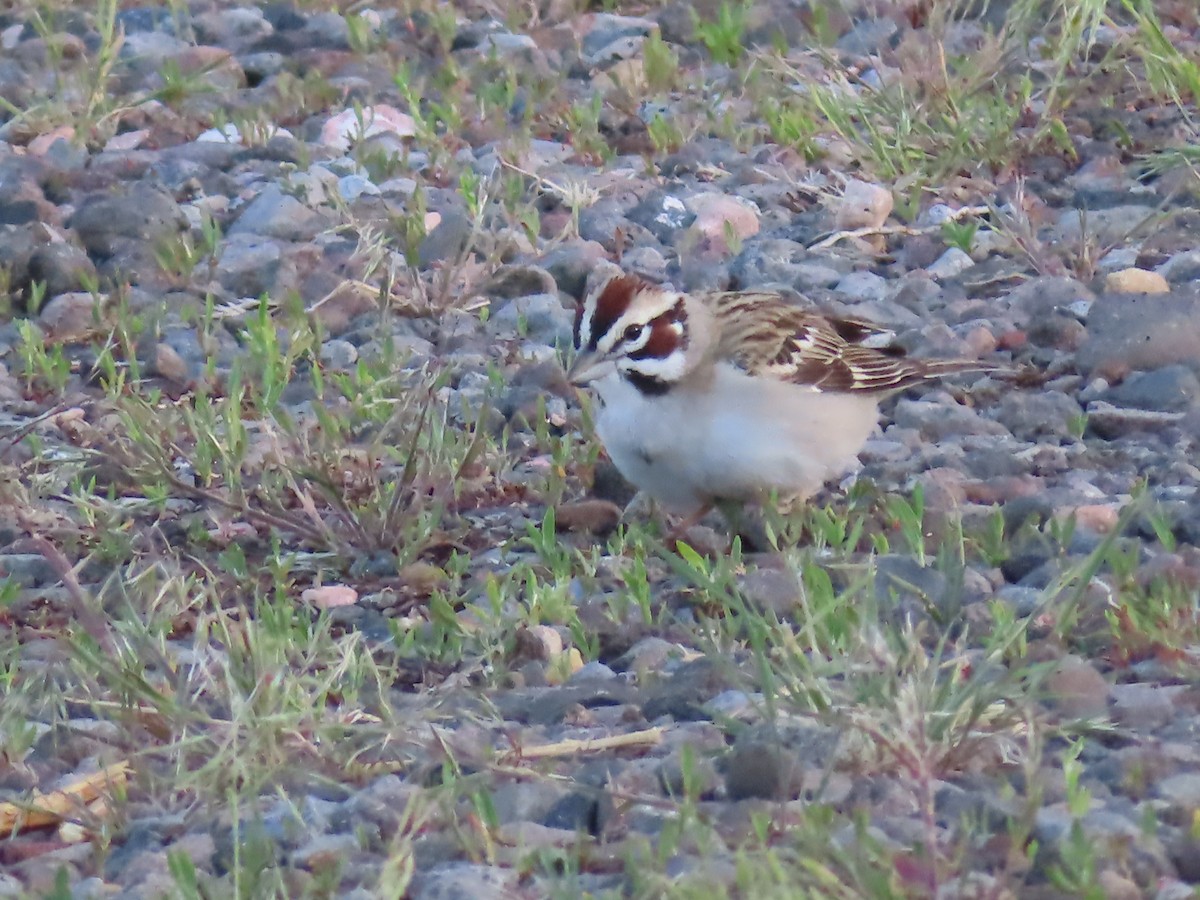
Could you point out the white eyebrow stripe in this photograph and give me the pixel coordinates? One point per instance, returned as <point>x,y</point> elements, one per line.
<point>585,322</point>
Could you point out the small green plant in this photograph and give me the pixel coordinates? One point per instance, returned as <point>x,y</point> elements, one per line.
<point>664,134</point>
<point>43,369</point>
<point>723,36</point>
<point>792,125</point>
<point>661,63</point>
<point>179,255</point>
<point>960,233</point>
<point>583,125</point>
<point>1076,870</point>
<point>909,516</point>
<point>363,34</point>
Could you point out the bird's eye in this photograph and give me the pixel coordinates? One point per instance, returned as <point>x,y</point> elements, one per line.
<point>633,332</point>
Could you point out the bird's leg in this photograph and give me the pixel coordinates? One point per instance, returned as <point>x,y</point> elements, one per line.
<point>752,530</point>
<point>679,530</point>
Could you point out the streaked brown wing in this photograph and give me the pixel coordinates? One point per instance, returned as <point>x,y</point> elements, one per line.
<point>768,337</point>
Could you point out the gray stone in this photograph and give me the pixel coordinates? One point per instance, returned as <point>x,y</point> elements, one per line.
<point>276,214</point>
<point>1169,389</point>
<point>773,590</point>
<point>540,317</point>
<point>1121,258</point>
<point>951,263</point>
<point>1182,790</point>
<point>1143,331</point>
<point>231,28</point>
<point>1111,422</point>
<point>249,264</point>
<point>662,214</point>
<point>592,671</point>
<point>937,421</point>
<point>763,768</point>
<point>1077,689</point>
<point>143,213</point>
<point>466,881</point>
<point>902,581</point>
<point>325,850</point>
<point>646,262</point>
<point>1030,416</point>
<point>867,36</point>
<point>1144,705</point>
<point>327,29</point>
<point>70,317</point>
<point>607,27</point>
<point>339,355</point>
<point>61,267</point>
<point>864,286</point>
<point>1037,298</point>
<point>1181,268</point>
<point>518,281</point>
<point>351,187</point>
<point>571,262</point>
<point>447,240</point>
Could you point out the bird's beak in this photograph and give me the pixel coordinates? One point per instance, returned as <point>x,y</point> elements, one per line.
<point>588,367</point>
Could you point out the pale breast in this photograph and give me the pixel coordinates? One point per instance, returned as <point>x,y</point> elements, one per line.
<point>735,438</point>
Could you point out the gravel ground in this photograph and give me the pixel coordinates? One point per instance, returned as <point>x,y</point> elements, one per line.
<point>470,172</point>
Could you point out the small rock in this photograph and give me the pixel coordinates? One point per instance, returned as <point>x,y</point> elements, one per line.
<point>1182,790</point>
<point>1136,281</point>
<point>592,516</point>
<point>342,130</point>
<point>1180,268</point>
<point>951,263</point>
<point>863,205</point>
<point>466,881</point>
<point>1076,689</point>
<point>651,654</point>
<point>1030,416</point>
<point>168,364</point>
<point>276,214</point>
<point>448,239</point>
<point>519,281</point>
<point>764,769</point>
<point>1117,259</point>
<point>720,218</point>
<point>1117,887</point>
<point>538,642</point>
<point>863,286</point>
<point>339,355</point>
<point>1167,389</point>
<point>646,262</point>
<point>1099,518</point>
<point>772,590</point>
<point>1136,331</point>
<point>61,267</point>
<point>249,264</point>
<point>351,187</point>
<point>71,317</point>
<point>329,596</point>
<point>539,317</point>
<point>1144,706</point>
<point>662,214</point>
<point>527,836</point>
<point>1110,422</point>
<point>325,852</point>
<point>571,262</point>
<point>143,213</point>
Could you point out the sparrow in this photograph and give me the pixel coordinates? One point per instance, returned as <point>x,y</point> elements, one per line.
<point>707,400</point>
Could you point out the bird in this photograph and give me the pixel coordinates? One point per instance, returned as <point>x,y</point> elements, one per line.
<point>718,399</point>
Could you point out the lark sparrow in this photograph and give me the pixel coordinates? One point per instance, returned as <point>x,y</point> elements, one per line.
<point>710,399</point>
